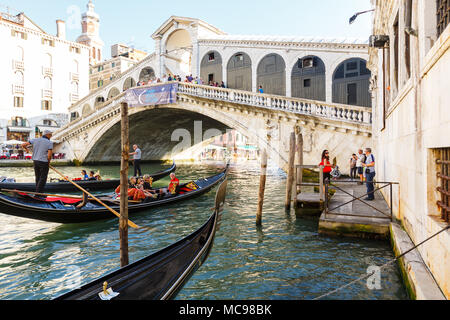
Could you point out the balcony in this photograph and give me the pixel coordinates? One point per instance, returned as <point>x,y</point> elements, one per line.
<point>18,89</point>
<point>74,76</point>
<point>18,65</point>
<point>47,71</point>
<point>47,94</point>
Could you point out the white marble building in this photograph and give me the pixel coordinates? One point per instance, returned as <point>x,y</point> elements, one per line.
<point>410,62</point>
<point>42,75</point>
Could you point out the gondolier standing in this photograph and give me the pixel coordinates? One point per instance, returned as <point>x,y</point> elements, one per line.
<point>137,155</point>
<point>42,155</point>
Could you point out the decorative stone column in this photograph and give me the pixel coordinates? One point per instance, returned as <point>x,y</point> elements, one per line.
<point>254,77</point>
<point>195,62</point>
<point>288,83</point>
<point>329,86</point>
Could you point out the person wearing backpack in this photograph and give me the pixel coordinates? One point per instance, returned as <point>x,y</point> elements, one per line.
<point>369,166</point>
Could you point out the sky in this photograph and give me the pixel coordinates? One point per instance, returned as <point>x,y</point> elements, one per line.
<point>132,22</point>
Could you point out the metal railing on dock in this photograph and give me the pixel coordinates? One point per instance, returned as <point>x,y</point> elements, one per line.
<point>333,185</point>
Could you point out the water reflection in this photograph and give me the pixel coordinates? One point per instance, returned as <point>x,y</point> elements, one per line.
<point>285,258</point>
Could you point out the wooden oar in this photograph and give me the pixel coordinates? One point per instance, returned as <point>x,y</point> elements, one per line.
<point>60,195</point>
<point>130,223</point>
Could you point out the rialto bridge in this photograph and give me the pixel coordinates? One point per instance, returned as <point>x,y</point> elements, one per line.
<point>175,130</point>
<point>317,86</point>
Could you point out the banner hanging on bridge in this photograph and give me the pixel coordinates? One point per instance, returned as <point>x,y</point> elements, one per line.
<point>152,96</point>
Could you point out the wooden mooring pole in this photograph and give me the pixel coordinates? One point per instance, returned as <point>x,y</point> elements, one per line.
<point>298,170</point>
<point>291,172</point>
<point>300,162</point>
<point>262,187</point>
<point>123,225</point>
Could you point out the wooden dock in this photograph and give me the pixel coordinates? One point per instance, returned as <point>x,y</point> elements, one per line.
<point>310,200</point>
<point>346,216</point>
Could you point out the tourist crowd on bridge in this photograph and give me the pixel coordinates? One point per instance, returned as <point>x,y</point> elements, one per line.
<point>188,79</point>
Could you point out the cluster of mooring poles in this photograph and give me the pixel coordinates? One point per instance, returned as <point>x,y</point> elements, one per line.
<point>294,180</point>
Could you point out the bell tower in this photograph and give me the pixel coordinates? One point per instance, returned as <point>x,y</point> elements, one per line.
<point>90,36</point>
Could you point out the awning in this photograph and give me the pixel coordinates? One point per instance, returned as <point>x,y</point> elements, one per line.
<point>43,128</point>
<point>19,129</point>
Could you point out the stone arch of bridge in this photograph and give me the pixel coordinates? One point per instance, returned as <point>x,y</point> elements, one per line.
<point>166,122</point>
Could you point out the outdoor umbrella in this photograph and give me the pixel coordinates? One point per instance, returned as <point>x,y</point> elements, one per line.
<point>12,142</point>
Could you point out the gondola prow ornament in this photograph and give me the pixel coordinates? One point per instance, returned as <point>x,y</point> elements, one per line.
<point>107,294</point>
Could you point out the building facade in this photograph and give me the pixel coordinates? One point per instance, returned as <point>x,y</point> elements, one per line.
<point>410,61</point>
<point>123,58</point>
<point>44,75</point>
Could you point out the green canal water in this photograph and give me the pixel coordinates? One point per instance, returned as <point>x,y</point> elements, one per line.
<point>284,259</point>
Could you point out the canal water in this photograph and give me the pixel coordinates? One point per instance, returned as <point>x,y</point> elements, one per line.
<point>284,259</point>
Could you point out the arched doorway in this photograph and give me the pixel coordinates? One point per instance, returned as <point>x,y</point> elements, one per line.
<point>308,79</point>
<point>147,74</point>
<point>351,81</point>
<point>272,74</point>
<point>211,68</point>
<point>129,83</point>
<point>178,53</point>
<point>239,72</point>
<point>114,92</point>
<point>99,100</point>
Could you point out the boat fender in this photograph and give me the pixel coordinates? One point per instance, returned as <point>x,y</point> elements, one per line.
<point>107,294</point>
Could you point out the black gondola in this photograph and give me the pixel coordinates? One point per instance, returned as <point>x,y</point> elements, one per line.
<point>64,210</point>
<point>64,186</point>
<point>161,275</point>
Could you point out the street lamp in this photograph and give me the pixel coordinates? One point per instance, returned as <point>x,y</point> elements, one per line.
<point>353,18</point>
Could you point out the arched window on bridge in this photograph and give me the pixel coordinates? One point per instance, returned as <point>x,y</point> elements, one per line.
<point>147,74</point>
<point>114,92</point>
<point>86,110</point>
<point>239,72</point>
<point>129,83</point>
<point>272,74</point>
<point>99,100</point>
<point>308,79</point>
<point>74,116</point>
<point>351,81</point>
<point>211,68</point>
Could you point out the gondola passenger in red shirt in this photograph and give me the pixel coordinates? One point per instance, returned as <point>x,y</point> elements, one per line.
<point>174,184</point>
